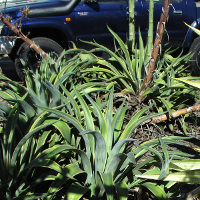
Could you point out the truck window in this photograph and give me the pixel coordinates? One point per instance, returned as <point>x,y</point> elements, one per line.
<point>173,1</point>
<point>22,1</point>
<point>116,1</point>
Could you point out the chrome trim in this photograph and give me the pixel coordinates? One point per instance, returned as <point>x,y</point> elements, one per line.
<point>1,26</point>
<point>6,44</point>
<point>178,12</point>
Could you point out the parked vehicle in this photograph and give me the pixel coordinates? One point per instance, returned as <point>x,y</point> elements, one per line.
<point>53,24</point>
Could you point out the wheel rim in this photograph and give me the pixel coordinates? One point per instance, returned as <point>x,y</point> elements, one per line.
<point>33,59</point>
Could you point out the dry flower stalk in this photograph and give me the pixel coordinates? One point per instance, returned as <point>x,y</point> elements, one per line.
<point>156,48</point>
<point>23,37</point>
<point>175,114</point>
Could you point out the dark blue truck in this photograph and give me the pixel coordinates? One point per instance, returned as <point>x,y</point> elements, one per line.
<point>53,24</point>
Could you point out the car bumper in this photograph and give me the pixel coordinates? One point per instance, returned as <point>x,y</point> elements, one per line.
<point>6,44</point>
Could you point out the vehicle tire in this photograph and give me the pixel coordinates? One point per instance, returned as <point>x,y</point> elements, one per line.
<point>31,57</point>
<point>195,60</point>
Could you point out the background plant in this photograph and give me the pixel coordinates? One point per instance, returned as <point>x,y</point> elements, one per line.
<point>126,68</point>
<point>22,139</point>
<point>25,134</point>
<point>73,135</point>
<point>63,122</point>
<point>104,156</point>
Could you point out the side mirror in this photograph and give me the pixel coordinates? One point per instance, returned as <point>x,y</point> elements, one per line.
<point>90,1</point>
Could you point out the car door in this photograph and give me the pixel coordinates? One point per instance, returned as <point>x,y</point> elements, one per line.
<point>180,11</point>
<point>93,19</point>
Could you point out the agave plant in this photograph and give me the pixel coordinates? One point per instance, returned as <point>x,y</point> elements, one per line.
<point>99,162</point>
<point>29,130</point>
<point>184,171</point>
<point>126,69</point>
<point>127,64</point>
<point>103,154</point>
<point>81,142</point>
<point>42,86</point>
<point>18,148</point>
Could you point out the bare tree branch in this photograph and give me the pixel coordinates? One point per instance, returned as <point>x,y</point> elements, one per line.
<point>22,36</point>
<point>156,48</point>
<point>175,114</point>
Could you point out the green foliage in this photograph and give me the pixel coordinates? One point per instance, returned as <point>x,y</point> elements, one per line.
<point>25,136</point>
<point>64,130</point>
<point>103,153</point>
<point>197,31</point>
<point>122,67</point>
<point>186,171</point>
<point>126,70</point>
<point>191,81</point>
<point>166,88</point>
<point>104,141</point>
<point>44,87</point>
<point>82,144</point>
<point>19,146</point>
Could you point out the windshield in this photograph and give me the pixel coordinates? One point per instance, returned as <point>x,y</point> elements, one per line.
<point>10,3</point>
<point>16,3</point>
<point>24,1</point>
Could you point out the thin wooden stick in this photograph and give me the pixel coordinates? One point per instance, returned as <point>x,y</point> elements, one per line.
<point>150,35</point>
<point>132,23</point>
<point>156,48</point>
<point>175,114</point>
<point>23,37</point>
